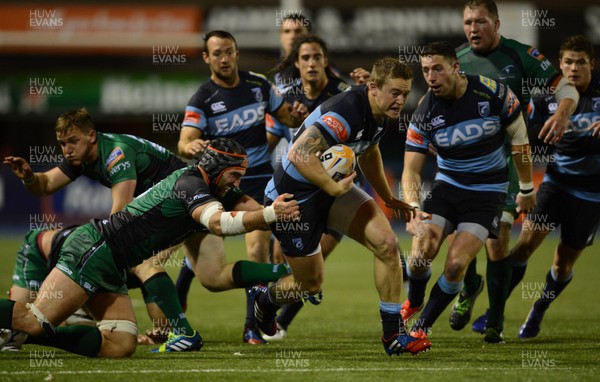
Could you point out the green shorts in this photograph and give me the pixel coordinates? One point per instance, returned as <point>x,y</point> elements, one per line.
<point>86,259</point>
<point>31,267</point>
<point>513,187</point>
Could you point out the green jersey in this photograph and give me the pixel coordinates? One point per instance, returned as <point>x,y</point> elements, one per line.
<point>520,66</point>
<point>160,217</point>
<point>126,157</point>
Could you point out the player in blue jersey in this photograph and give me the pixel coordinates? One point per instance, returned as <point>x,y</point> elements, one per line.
<point>309,58</point>
<point>357,118</point>
<point>569,195</point>
<point>466,119</point>
<point>232,104</point>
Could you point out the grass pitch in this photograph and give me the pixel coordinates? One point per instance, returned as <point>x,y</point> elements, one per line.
<point>339,340</point>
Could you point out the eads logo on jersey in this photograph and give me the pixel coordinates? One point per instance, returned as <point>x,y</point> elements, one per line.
<point>336,126</point>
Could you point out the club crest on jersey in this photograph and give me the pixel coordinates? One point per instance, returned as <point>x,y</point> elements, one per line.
<point>298,243</point>
<point>218,107</point>
<point>507,72</point>
<point>484,108</point>
<point>258,96</point>
<point>596,103</point>
<point>115,156</point>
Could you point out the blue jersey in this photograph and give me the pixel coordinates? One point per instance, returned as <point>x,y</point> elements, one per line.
<point>295,93</point>
<point>575,167</point>
<point>468,134</point>
<point>344,118</point>
<point>237,113</point>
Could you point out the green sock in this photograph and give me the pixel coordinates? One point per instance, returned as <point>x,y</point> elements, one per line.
<point>248,273</point>
<point>471,280</point>
<point>498,275</point>
<point>78,339</point>
<point>161,287</point>
<point>6,311</point>
<point>147,296</point>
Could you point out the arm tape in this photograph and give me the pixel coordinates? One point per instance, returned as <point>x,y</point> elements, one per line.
<point>564,90</point>
<point>518,132</point>
<point>209,211</point>
<point>269,214</point>
<point>232,223</point>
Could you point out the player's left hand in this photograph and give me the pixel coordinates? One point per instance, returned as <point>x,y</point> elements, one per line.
<point>299,111</point>
<point>415,227</point>
<point>526,203</point>
<point>554,129</point>
<point>360,76</point>
<point>401,210</point>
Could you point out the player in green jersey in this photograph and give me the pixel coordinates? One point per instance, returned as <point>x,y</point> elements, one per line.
<point>93,262</point>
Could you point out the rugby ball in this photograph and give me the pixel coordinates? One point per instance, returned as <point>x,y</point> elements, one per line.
<point>338,161</point>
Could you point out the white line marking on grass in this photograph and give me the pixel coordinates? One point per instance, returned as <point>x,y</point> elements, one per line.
<point>315,370</point>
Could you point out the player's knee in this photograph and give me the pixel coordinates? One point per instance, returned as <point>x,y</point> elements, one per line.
<point>455,269</point>
<point>119,338</point>
<point>386,247</point>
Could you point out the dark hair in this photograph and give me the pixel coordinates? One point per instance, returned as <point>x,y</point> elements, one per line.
<point>440,48</point>
<point>289,61</point>
<point>219,34</point>
<point>298,18</point>
<point>490,5</point>
<point>577,43</point>
<point>389,67</point>
<point>78,117</point>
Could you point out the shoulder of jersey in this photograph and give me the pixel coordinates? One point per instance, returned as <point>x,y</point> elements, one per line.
<point>523,49</point>
<point>463,49</point>
<point>254,74</point>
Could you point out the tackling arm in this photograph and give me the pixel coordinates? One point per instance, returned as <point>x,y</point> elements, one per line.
<point>38,183</point>
<point>190,142</point>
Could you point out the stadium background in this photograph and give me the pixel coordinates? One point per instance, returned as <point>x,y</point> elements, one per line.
<point>135,65</point>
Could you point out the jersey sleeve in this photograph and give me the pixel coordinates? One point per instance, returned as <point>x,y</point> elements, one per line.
<point>192,191</point>
<point>274,126</point>
<point>275,98</point>
<point>539,70</point>
<point>194,115</point>
<point>335,127</point>
<point>73,172</point>
<point>120,164</point>
<point>511,107</point>
<point>417,139</point>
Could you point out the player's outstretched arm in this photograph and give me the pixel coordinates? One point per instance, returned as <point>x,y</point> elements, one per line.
<point>554,128</point>
<point>38,183</point>
<point>521,152</point>
<point>229,223</point>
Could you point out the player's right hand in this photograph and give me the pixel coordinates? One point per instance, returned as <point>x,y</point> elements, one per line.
<point>360,76</point>
<point>343,185</point>
<point>196,146</point>
<point>285,208</point>
<point>19,166</point>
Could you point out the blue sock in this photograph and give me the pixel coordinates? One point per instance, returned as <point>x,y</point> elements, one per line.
<point>442,294</point>
<point>391,319</point>
<point>551,290</point>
